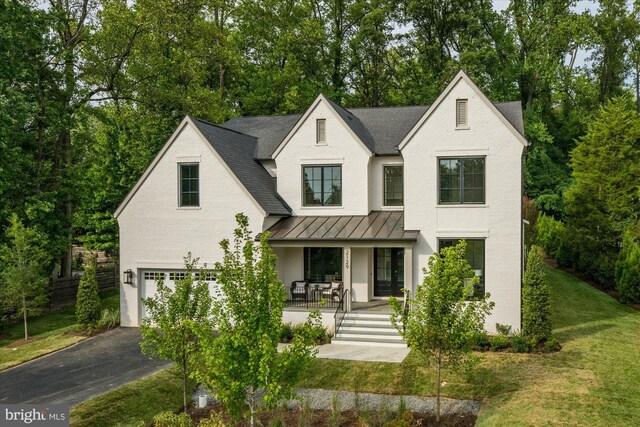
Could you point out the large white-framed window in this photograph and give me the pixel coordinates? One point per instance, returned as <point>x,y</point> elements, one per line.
<point>461,180</point>
<point>189,183</point>
<point>322,185</point>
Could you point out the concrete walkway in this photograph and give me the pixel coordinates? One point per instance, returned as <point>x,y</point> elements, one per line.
<point>77,373</point>
<point>363,353</point>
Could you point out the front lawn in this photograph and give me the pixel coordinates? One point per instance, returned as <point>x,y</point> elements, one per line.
<point>48,333</point>
<point>594,380</point>
<point>137,401</point>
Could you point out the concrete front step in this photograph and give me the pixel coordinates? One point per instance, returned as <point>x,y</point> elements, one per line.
<point>364,315</point>
<point>372,335</point>
<point>356,327</point>
<point>368,342</point>
<point>368,322</point>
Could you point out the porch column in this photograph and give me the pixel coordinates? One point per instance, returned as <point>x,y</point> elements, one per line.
<point>346,275</point>
<point>408,268</point>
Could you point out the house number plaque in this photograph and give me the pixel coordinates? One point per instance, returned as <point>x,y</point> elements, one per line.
<point>346,259</point>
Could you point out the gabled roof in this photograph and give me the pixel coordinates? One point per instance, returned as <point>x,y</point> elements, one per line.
<point>508,108</point>
<point>236,150</point>
<point>381,129</point>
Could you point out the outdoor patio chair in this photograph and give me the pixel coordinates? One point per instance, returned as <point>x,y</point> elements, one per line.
<point>333,292</point>
<point>299,289</point>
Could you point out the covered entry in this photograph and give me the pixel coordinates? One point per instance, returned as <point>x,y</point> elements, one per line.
<point>371,255</point>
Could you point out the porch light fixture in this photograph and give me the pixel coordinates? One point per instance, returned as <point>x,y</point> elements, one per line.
<point>127,277</point>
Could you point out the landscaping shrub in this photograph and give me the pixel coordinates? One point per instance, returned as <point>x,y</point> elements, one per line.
<point>170,419</point>
<point>536,304</point>
<point>480,342</point>
<point>214,420</point>
<point>318,333</point>
<point>551,346</point>
<point>286,333</point>
<point>520,344</point>
<point>499,342</point>
<point>565,255</point>
<point>109,319</point>
<point>550,234</point>
<point>503,329</point>
<point>627,272</point>
<point>88,300</point>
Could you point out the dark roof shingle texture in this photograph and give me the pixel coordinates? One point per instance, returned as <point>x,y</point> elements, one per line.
<point>237,151</point>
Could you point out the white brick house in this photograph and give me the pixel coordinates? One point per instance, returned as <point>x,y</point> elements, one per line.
<point>360,197</point>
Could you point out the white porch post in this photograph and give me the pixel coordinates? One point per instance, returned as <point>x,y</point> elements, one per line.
<point>408,268</point>
<point>346,275</point>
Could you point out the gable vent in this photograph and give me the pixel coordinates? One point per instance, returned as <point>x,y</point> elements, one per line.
<point>462,113</point>
<point>321,131</point>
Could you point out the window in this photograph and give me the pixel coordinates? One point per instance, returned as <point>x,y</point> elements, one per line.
<point>322,185</point>
<point>392,185</point>
<point>321,131</point>
<point>322,265</point>
<point>475,257</point>
<point>462,114</point>
<point>461,180</point>
<point>189,184</point>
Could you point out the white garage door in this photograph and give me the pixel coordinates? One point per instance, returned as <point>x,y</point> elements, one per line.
<point>150,279</point>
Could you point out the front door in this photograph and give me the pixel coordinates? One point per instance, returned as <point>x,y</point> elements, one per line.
<point>388,272</point>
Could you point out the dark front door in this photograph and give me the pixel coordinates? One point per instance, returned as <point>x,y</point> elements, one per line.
<point>388,272</point>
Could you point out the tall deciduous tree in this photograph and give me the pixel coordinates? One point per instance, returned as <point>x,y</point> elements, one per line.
<point>24,286</point>
<point>172,318</point>
<point>441,320</point>
<point>243,359</point>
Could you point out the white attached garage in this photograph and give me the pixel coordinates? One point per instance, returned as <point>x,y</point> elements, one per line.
<point>149,283</point>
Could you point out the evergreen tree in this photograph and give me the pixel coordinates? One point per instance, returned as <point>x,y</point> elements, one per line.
<point>88,300</point>
<point>536,303</point>
<point>628,267</point>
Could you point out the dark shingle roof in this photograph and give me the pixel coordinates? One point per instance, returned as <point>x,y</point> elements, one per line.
<point>237,150</point>
<point>380,129</point>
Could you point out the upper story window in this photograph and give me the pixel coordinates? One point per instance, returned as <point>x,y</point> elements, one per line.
<point>321,131</point>
<point>474,255</point>
<point>461,180</point>
<point>462,113</point>
<point>322,185</point>
<point>392,185</point>
<point>189,184</point>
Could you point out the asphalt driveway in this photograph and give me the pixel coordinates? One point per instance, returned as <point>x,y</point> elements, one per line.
<point>77,373</point>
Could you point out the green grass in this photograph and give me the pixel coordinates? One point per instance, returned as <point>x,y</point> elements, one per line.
<point>138,401</point>
<point>594,380</point>
<point>48,333</point>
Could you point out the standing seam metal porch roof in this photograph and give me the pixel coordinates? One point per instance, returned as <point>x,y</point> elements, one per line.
<point>378,225</point>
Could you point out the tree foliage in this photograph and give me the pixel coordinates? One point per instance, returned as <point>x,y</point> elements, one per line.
<point>536,303</point>
<point>241,365</point>
<point>24,284</point>
<point>442,321</point>
<point>628,266</point>
<point>88,300</point>
<point>173,317</point>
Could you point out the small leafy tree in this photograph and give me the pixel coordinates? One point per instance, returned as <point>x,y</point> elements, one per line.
<point>88,300</point>
<point>24,276</point>
<point>628,266</point>
<point>173,316</point>
<point>242,362</point>
<point>442,320</point>
<point>536,304</point>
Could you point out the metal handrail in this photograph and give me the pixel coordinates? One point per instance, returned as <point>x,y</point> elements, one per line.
<point>337,323</point>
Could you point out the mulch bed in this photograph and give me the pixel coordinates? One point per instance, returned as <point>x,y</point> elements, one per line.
<point>323,418</point>
<point>611,292</point>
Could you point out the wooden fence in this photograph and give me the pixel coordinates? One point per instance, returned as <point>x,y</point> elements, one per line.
<point>63,291</point>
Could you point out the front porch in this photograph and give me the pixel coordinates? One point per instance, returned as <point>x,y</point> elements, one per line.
<point>369,256</point>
